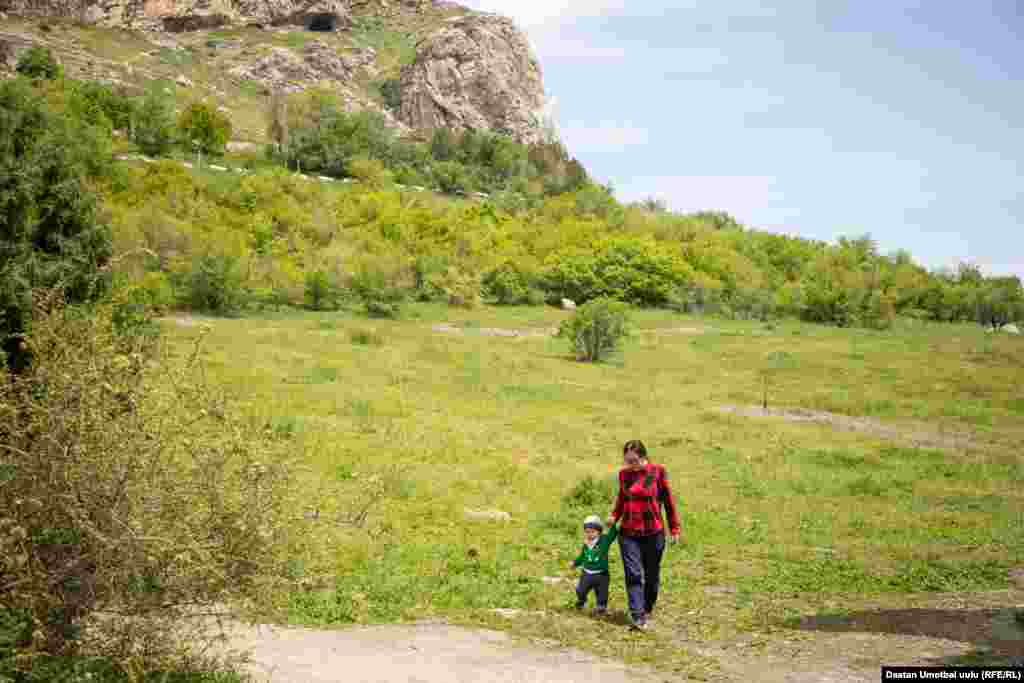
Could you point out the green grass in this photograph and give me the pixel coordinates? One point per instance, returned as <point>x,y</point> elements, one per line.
<point>786,513</point>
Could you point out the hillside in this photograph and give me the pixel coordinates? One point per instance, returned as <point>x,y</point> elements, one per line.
<point>420,64</point>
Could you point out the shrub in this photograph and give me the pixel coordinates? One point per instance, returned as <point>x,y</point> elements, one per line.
<point>510,284</point>
<point>153,128</point>
<point>214,285</point>
<point>391,92</point>
<point>591,493</point>
<point>202,125</point>
<point>370,172</point>
<point>451,177</point>
<point>596,329</point>
<point>377,287</point>
<point>365,338</point>
<point>129,488</point>
<point>319,290</point>
<point>52,230</point>
<point>459,287</point>
<point>38,63</point>
<point>635,270</point>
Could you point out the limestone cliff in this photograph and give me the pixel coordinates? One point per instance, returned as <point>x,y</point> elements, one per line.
<point>479,72</point>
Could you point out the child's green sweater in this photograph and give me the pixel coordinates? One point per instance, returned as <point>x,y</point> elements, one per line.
<point>596,559</point>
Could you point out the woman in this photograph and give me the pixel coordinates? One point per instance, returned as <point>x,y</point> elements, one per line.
<point>643,490</point>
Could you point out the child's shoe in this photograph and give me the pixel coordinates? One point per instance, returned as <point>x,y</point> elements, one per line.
<point>600,611</point>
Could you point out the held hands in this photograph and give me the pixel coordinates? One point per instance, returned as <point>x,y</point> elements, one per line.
<point>674,537</point>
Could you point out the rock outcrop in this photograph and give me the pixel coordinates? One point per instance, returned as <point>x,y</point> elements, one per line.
<point>287,71</point>
<point>478,72</point>
<point>282,70</point>
<point>189,15</point>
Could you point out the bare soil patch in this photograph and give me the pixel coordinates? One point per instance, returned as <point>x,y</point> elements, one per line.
<point>420,653</point>
<point>495,331</point>
<point>915,434</point>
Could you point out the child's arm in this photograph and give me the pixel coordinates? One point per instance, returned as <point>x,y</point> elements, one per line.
<point>579,560</point>
<point>609,538</point>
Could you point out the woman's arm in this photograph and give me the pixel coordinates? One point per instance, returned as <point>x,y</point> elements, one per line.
<point>665,494</point>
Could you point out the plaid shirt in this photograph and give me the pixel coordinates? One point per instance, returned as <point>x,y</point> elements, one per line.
<point>641,495</point>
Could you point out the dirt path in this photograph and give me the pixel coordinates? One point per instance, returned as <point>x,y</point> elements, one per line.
<point>850,647</point>
<point>916,434</point>
<point>420,653</point>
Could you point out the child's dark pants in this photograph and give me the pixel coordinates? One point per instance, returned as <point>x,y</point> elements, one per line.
<point>596,582</point>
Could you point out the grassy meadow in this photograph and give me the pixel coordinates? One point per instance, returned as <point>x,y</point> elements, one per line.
<point>780,518</point>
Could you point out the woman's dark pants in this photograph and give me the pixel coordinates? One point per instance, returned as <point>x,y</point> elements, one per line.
<point>641,559</point>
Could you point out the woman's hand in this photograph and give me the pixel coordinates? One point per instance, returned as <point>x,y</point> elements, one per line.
<point>610,521</point>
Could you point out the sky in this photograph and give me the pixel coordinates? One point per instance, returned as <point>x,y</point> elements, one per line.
<point>821,119</point>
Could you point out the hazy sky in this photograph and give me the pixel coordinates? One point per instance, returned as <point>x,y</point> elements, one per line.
<point>828,118</point>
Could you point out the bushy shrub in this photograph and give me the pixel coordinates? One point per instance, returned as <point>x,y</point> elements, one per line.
<point>378,286</point>
<point>153,127</point>
<point>596,329</point>
<point>450,177</point>
<point>214,285</point>
<point>370,172</point>
<point>511,284</point>
<point>319,290</point>
<point>52,233</point>
<point>634,270</point>
<point>38,62</point>
<point>202,125</point>
<point>128,487</point>
<point>591,494</point>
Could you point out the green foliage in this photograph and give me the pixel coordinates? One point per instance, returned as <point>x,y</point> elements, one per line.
<point>999,301</point>
<point>201,124</point>
<point>634,270</point>
<point>38,63</point>
<point>366,338</point>
<point>391,93</point>
<point>153,127</point>
<point>319,290</point>
<point>117,107</point>
<point>596,329</point>
<point>132,486</point>
<point>324,138</point>
<point>378,288</point>
<point>51,232</point>
<point>214,285</point>
<point>370,172</point>
<point>512,284</point>
<point>591,494</point>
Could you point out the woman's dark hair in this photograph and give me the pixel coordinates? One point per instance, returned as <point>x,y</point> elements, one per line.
<point>637,446</point>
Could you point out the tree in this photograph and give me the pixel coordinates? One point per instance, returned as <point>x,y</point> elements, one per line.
<point>38,63</point>
<point>203,124</point>
<point>51,234</point>
<point>153,127</point>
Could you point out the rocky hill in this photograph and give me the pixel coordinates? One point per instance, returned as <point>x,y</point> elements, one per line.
<point>422,63</point>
